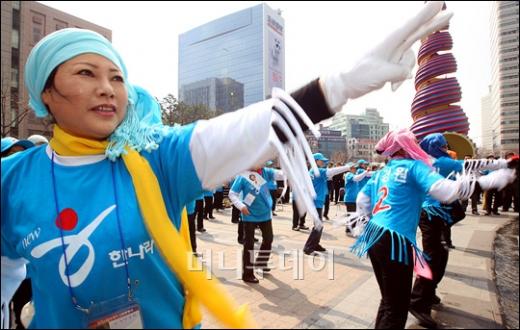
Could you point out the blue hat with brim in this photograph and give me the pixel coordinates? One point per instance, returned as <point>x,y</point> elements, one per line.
<point>9,142</point>
<point>319,156</point>
<point>362,161</point>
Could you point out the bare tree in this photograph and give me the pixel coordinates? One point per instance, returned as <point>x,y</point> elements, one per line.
<point>176,112</point>
<point>13,111</point>
<point>339,157</point>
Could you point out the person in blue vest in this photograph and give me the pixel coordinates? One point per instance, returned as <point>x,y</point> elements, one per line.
<point>352,180</point>
<point>320,187</point>
<point>255,204</point>
<point>88,198</point>
<point>435,220</point>
<point>362,167</point>
<point>392,199</point>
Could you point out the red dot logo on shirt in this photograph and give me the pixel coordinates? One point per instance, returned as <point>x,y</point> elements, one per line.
<point>67,219</point>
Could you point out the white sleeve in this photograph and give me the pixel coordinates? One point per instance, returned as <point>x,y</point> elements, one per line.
<point>484,164</point>
<point>13,273</point>
<point>363,204</point>
<point>360,176</point>
<point>228,144</point>
<point>336,170</point>
<point>233,197</point>
<point>447,191</point>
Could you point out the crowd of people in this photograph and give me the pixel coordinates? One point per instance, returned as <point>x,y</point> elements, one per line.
<point>102,218</point>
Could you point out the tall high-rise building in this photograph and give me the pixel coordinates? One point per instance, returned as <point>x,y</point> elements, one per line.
<point>504,75</point>
<point>245,49</point>
<point>487,131</point>
<point>24,23</point>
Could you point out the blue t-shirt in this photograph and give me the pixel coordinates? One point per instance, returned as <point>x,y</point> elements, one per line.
<point>320,187</point>
<point>351,188</point>
<point>90,209</point>
<point>396,193</point>
<point>444,166</point>
<point>260,207</point>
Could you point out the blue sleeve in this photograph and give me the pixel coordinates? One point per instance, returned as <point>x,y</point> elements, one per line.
<point>424,176</point>
<point>8,249</point>
<point>349,177</point>
<point>458,165</point>
<point>237,185</point>
<point>176,172</point>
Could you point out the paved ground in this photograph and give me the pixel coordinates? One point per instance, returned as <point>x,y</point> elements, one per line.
<point>506,272</point>
<point>339,290</point>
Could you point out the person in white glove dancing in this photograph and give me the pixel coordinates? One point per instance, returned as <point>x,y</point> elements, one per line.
<point>109,145</point>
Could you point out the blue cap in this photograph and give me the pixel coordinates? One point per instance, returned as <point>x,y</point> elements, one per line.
<point>9,142</point>
<point>362,161</point>
<point>319,156</point>
<point>269,163</point>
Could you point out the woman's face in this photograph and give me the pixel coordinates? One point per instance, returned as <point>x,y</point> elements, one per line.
<point>88,97</point>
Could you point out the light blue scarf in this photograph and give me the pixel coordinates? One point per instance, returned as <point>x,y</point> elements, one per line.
<point>141,129</point>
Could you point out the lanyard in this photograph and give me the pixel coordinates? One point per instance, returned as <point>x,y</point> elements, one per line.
<point>125,259</point>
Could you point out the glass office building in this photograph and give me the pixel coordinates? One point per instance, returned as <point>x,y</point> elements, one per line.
<point>233,61</point>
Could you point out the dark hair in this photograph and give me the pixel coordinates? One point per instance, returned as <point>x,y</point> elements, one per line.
<point>50,81</point>
<point>48,85</point>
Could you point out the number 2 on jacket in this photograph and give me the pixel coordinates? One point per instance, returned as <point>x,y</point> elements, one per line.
<point>379,207</point>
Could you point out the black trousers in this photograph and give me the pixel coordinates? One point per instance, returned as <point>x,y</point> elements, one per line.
<point>235,214</point>
<point>297,220</point>
<point>395,283</point>
<point>191,226</point>
<point>493,196</point>
<point>510,196</point>
<point>266,228</point>
<point>337,187</point>
<point>314,238</point>
<point>424,290</point>
<point>208,207</point>
<point>273,197</point>
<point>199,210</point>
<point>219,196</point>
<point>326,206</point>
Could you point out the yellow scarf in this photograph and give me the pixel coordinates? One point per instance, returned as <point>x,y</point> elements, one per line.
<point>175,248</point>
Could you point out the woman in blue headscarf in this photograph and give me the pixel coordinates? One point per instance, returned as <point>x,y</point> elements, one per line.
<point>94,217</point>
<point>435,222</point>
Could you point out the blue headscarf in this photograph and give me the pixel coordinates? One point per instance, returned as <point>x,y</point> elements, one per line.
<point>432,144</point>
<point>140,129</point>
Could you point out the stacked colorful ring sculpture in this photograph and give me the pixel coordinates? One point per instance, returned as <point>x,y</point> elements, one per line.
<point>433,108</point>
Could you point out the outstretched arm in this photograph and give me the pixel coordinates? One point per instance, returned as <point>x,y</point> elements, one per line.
<point>276,126</point>
<point>336,170</point>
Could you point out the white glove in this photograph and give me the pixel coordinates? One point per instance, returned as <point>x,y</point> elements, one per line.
<point>392,60</point>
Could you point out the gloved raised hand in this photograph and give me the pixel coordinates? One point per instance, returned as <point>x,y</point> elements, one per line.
<point>391,61</point>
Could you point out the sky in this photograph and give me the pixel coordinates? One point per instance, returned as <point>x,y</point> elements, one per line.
<point>320,38</point>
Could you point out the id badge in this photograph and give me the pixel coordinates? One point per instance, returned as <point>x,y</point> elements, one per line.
<point>250,198</point>
<point>117,313</point>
